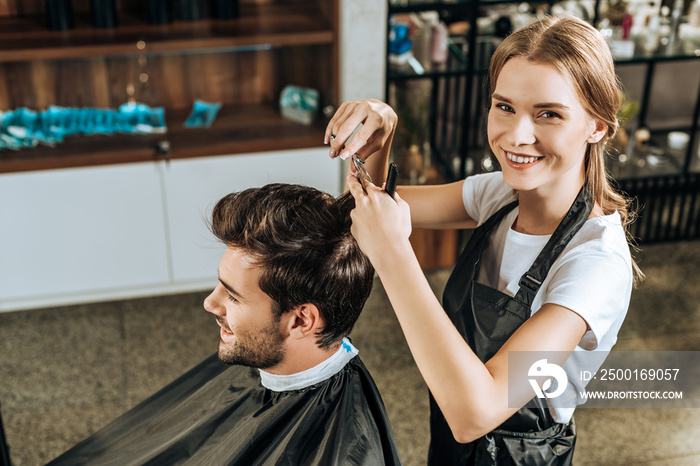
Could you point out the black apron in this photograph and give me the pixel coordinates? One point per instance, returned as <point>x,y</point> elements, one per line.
<point>486,318</point>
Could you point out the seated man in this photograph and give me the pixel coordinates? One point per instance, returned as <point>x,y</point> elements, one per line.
<point>292,284</point>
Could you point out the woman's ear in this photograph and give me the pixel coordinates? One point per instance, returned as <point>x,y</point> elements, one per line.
<point>303,321</point>
<point>599,131</point>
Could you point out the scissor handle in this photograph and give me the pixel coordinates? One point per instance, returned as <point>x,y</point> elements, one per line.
<point>391,179</point>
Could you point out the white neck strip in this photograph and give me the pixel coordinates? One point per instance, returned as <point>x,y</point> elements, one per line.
<point>317,374</point>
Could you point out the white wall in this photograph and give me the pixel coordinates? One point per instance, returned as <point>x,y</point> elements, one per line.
<point>69,232</point>
<point>363,36</point>
<point>99,233</point>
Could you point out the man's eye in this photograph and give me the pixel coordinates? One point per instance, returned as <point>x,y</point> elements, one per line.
<point>230,297</point>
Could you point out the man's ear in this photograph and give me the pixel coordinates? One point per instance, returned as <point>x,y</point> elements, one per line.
<point>599,131</point>
<point>303,321</point>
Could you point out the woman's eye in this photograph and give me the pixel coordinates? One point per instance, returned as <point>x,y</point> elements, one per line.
<point>504,107</point>
<point>231,298</point>
<point>551,115</point>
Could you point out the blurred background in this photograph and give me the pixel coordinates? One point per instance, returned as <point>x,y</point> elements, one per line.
<point>122,122</point>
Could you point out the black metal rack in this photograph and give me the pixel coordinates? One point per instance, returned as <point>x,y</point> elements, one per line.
<point>669,208</point>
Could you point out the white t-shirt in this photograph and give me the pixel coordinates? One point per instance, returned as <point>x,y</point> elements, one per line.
<point>592,276</point>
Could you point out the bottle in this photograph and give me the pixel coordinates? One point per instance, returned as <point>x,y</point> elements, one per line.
<point>193,10</point>
<point>675,23</point>
<point>158,12</point>
<point>422,40</point>
<point>103,13</point>
<point>694,14</point>
<point>438,53</point>
<point>59,15</point>
<point>626,26</point>
<point>651,41</point>
<point>227,9</point>
<point>664,26</point>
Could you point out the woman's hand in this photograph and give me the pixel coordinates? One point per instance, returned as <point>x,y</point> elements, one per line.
<point>378,124</point>
<point>380,224</point>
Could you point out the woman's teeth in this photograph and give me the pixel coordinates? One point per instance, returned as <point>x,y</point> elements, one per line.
<point>520,159</point>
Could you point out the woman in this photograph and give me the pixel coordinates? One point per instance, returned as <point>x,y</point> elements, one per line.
<point>547,270</point>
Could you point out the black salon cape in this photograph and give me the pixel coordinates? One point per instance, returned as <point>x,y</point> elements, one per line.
<point>221,415</point>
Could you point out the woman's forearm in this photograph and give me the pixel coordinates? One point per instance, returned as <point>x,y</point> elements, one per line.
<point>377,164</point>
<point>461,384</point>
<point>437,206</point>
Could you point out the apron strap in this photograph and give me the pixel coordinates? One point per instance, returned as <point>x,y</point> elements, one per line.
<point>498,216</point>
<point>574,219</point>
<point>476,241</point>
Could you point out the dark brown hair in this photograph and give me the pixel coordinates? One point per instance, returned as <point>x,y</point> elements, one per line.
<point>300,238</point>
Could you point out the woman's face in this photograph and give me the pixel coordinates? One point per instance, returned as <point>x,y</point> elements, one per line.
<point>538,128</point>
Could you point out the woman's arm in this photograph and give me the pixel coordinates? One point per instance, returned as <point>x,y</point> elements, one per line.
<point>437,206</point>
<point>472,395</point>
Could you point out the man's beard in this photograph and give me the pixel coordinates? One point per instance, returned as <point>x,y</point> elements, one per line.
<point>261,350</point>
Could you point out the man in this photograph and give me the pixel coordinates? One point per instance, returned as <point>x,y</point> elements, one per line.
<point>292,283</point>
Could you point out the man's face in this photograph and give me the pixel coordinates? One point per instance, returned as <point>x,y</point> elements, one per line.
<point>250,335</point>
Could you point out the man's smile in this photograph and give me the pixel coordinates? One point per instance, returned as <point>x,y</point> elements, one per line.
<point>226,333</point>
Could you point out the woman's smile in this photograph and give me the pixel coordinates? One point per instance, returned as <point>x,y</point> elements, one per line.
<point>521,161</point>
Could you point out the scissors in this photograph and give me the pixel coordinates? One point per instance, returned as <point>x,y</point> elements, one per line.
<point>361,172</point>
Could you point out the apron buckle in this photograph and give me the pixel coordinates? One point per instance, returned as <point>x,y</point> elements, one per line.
<point>529,282</point>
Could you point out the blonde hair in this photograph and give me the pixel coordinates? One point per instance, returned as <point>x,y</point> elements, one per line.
<point>581,54</point>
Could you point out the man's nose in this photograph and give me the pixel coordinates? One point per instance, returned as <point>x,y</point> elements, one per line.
<point>522,132</point>
<point>213,304</point>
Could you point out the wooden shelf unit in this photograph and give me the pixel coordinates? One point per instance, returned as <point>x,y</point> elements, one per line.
<point>242,64</point>
<point>237,130</point>
<point>273,25</point>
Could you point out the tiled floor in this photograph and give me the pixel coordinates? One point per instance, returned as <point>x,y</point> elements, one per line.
<point>65,372</point>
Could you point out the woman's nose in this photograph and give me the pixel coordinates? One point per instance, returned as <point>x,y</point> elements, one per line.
<point>522,132</point>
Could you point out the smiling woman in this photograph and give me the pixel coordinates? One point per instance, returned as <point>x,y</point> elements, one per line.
<point>548,267</point>
<point>583,61</point>
<point>539,130</point>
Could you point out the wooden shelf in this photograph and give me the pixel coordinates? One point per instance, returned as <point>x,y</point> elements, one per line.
<point>283,42</point>
<point>260,25</point>
<point>237,130</point>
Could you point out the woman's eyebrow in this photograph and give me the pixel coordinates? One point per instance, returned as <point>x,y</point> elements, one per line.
<point>552,105</point>
<point>558,105</point>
